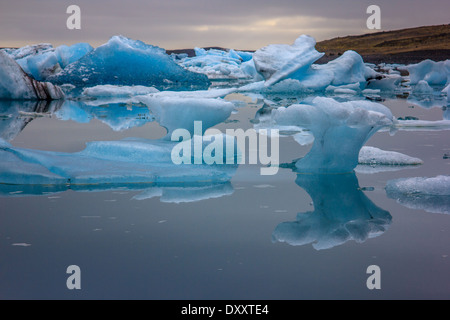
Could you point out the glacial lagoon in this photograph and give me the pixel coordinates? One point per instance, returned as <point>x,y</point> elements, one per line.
<point>88,180</point>
<point>284,236</point>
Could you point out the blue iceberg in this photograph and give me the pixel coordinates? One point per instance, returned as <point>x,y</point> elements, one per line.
<point>123,61</point>
<point>339,130</point>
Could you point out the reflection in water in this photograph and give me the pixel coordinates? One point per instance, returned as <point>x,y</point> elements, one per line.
<point>130,164</point>
<point>342,213</point>
<point>15,115</point>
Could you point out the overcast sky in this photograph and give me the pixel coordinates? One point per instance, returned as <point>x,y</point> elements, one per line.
<point>176,24</point>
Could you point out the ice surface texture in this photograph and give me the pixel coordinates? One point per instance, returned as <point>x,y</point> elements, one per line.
<point>123,61</point>
<point>278,62</point>
<point>429,194</point>
<point>339,129</point>
<point>342,212</point>
<point>221,64</point>
<point>16,84</point>
<point>107,162</point>
<point>41,61</point>
<point>434,73</point>
<point>374,156</point>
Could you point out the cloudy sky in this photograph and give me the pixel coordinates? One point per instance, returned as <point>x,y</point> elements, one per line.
<point>176,24</point>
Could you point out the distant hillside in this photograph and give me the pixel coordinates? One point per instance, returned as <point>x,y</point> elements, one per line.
<point>397,46</point>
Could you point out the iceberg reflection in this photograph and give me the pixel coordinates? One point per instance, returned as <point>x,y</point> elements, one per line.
<point>342,213</point>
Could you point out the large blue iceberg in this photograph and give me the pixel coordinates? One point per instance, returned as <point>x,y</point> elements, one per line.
<point>123,61</point>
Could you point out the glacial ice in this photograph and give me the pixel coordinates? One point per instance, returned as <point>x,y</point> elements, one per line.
<point>434,73</point>
<point>221,64</point>
<point>123,61</point>
<point>128,161</point>
<point>430,194</point>
<point>174,112</point>
<point>342,212</point>
<point>422,87</point>
<point>278,62</point>
<point>102,91</point>
<point>41,61</point>
<point>340,130</point>
<point>375,156</point>
<point>16,84</point>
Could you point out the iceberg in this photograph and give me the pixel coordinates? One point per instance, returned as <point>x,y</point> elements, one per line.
<point>102,91</point>
<point>434,73</point>
<point>221,64</point>
<point>42,60</point>
<point>422,87</point>
<point>129,161</point>
<point>375,156</point>
<point>16,84</point>
<point>278,62</point>
<point>429,194</point>
<point>340,130</point>
<point>342,212</point>
<point>178,112</point>
<point>123,61</point>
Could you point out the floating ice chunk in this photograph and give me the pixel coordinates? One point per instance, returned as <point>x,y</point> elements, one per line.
<point>436,186</point>
<point>117,91</point>
<point>348,68</point>
<point>12,168</point>
<point>219,64</point>
<point>131,161</point>
<point>385,83</point>
<point>16,84</point>
<point>422,125</point>
<point>434,73</point>
<point>279,61</point>
<point>333,221</point>
<point>429,194</point>
<point>340,130</point>
<point>422,87</point>
<point>123,61</point>
<point>446,90</point>
<point>181,113</point>
<point>374,156</point>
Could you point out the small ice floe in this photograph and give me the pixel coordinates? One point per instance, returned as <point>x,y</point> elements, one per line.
<point>21,244</point>
<point>374,156</point>
<point>263,186</point>
<point>429,194</point>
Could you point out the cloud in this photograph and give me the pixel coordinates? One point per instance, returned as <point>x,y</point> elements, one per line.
<point>175,24</point>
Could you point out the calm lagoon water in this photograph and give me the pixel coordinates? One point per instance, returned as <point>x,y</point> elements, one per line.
<point>256,237</point>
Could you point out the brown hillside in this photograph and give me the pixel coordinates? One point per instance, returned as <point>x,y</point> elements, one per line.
<point>397,46</point>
